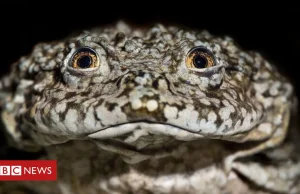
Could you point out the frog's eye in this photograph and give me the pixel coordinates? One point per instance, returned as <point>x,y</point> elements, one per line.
<point>85,58</point>
<point>200,57</point>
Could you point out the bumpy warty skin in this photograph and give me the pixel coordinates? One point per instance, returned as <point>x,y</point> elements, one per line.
<point>151,124</point>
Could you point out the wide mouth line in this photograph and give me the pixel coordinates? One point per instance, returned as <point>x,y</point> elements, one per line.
<point>156,127</point>
<point>145,127</point>
<point>142,122</point>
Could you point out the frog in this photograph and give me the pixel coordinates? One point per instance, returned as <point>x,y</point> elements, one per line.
<point>152,109</point>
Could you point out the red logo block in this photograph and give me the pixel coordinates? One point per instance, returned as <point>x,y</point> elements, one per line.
<point>26,170</point>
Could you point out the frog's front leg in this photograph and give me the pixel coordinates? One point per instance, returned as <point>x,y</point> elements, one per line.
<point>280,171</point>
<point>282,178</point>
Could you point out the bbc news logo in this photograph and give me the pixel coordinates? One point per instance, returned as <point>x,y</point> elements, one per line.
<point>26,170</point>
<point>10,170</point>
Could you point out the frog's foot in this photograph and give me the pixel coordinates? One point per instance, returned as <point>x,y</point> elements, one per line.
<point>276,139</point>
<point>282,178</point>
<point>272,142</point>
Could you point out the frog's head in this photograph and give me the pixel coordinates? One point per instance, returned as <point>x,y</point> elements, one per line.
<point>142,88</point>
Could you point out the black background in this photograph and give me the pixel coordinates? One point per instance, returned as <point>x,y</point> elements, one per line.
<point>271,29</point>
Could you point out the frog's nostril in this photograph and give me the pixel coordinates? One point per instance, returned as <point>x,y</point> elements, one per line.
<point>160,84</point>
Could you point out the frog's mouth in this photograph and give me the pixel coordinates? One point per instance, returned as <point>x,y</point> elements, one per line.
<point>139,141</point>
<point>142,140</point>
<point>131,132</point>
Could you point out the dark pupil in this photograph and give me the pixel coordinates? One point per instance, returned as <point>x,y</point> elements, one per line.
<point>84,62</point>
<point>199,61</point>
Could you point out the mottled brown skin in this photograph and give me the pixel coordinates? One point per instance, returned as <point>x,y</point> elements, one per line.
<point>144,118</point>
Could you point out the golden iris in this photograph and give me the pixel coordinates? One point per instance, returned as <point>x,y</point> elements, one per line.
<point>85,58</point>
<point>200,57</point>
